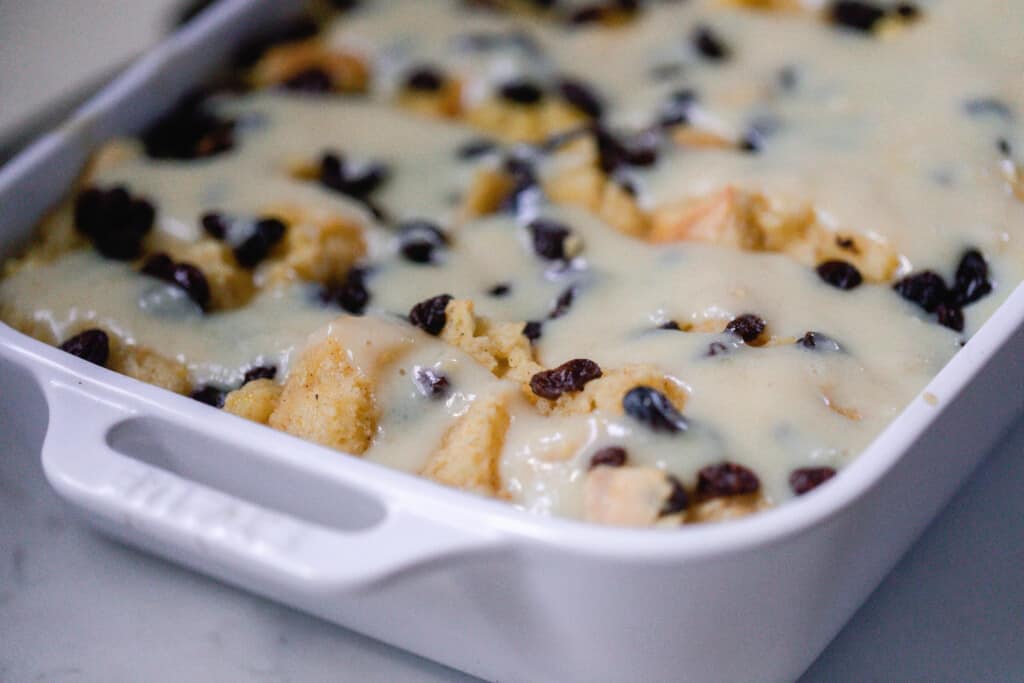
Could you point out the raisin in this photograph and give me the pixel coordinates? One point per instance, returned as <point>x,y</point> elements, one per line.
<point>670,325</point>
<point>747,327</point>
<point>91,345</point>
<point>676,110</point>
<point>159,266</point>
<point>429,315</point>
<point>474,149</point>
<point>502,289</point>
<point>971,282</point>
<point>215,225</point>
<point>855,15</point>
<point>114,220</point>
<point>816,341</point>
<point>259,372</point>
<point>336,174</point>
<point>951,316</point>
<point>581,96</point>
<point>189,131</point>
<point>570,376</point>
<point>532,330</point>
<point>927,289</point>
<point>549,238</point>
<point>651,407</point>
<point>521,92</point>
<point>419,240</point>
<point>432,384</point>
<point>425,79</point>
<point>840,274</point>
<point>806,478</point>
<point>717,348</point>
<point>350,294</point>
<point>267,233</point>
<point>563,303</point>
<point>907,10</point>
<point>192,280</point>
<point>588,14</point>
<point>524,184</point>
<point>677,500</point>
<point>615,152</point>
<point>611,456</point>
<point>726,479</point>
<point>709,45</point>
<point>311,81</point>
<point>210,395</point>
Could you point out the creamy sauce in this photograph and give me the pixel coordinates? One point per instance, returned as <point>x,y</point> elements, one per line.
<point>874,134</point>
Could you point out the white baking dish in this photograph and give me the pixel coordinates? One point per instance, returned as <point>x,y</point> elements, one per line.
<point>474,583</point>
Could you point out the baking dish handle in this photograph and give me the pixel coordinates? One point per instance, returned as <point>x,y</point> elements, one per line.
<point>217,532</point>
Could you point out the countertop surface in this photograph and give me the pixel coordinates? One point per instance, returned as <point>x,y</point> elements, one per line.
<point>75,606</point>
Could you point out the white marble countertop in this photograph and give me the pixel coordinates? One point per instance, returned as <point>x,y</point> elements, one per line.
<point>77,607</point>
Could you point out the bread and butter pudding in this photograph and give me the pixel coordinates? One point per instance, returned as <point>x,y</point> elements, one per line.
<point>637,263</point>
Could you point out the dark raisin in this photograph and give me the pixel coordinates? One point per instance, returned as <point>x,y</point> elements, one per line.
<point>336,174</point>
<point>581,96</point>
<point>115,221</point>
<point>267,233</point>
<point>588,14</point>
<point>210,395</point>
<point>611,456</point>
<point>951,316</point>
<point>215,225</point>
<point>570,376</point>
<point>717,348</point>
<point>1003,145</point>
<point>425,79</point>
<point>502,289</point>
<point>971,282</point>
<point>615,152</point>
<point>670,325</point>
<point>726,479</point>
<point>475,149</point>
<point>525,187</point>
<point>676,110</point>
<point>259,372</point>
<point>709,45</point>
<point>91,345</point>
<point>806,478</point>
<point>927,289</point>
<point>816,341</point>
<point>751,142</point>
<point>650,406</point>
<point>747,327</point>
<point>907,10</point>
<point>563,303</point>
<point>532,330</point>
<point>190,131</point>
<point>420,240</point>
<point>840,274</point>
<point>311,81</point>
<point>855,15</point>
<point>549,238</point>
<point>429,316</point>
<point>159,266</point>
<point>677,500</point>
<point>521,92</point>
<point>350,294</point>
<point>432,384</point>
<point>192,280</point>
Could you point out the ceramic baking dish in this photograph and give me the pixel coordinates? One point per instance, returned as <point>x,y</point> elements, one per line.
<point>470,582</point>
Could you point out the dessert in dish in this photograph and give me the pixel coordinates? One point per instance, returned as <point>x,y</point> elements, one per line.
<point>637,263</point>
